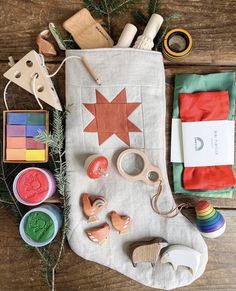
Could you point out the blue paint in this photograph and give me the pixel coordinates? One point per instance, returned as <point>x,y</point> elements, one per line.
<point>33,130</point>
<point>17,118</point>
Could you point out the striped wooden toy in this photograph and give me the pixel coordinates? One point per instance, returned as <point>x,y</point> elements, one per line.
<point>210,221</point>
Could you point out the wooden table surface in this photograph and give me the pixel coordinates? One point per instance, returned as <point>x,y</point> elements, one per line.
<point>212,24</point>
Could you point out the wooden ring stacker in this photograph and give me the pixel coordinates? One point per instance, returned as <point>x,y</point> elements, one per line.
<point>147,170</point>
<point>144,176</point>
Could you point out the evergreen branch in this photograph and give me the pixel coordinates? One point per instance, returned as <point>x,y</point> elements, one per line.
<point>95,8</point>
<point>56,142</point>
<point>153,6</point>
<point>106,8</point>
<point>140,17</point>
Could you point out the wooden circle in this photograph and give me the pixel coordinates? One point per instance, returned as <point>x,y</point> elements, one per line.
<point>144,175</point>
<point>169,52</point>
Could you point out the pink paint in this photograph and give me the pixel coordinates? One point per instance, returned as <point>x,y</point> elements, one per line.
<point>32,186</point>
<point>33,144</point>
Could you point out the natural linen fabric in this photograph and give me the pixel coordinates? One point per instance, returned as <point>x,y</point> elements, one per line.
<point>128,76</point>
<point>191,83</point>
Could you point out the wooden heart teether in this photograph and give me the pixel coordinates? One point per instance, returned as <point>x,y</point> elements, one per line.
<point>120,222</point>
<point>150,174</point>
<point>91,209</point>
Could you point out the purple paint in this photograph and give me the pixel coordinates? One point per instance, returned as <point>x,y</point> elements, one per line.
<point>16,130</point>
<point>33,130</point>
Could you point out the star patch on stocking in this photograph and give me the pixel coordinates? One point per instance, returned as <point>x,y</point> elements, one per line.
<point>112,117</point>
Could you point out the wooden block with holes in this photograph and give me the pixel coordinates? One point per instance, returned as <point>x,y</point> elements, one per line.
<point>23,74</point>
<point>19,130</point>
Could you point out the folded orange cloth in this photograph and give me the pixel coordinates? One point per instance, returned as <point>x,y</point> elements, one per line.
<point>205,106</point>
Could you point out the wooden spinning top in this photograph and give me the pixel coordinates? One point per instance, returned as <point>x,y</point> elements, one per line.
<point>120,222</point>
<point>210,221</point>
<point>98,234</point>
<point>91,209</point>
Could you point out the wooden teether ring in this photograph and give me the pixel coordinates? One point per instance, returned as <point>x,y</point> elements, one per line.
<point>146,173</point>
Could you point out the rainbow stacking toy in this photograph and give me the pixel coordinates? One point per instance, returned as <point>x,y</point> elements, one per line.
<point>210,222</point>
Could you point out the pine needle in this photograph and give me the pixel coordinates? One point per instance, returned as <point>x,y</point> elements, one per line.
<point>107,8</point>
<point>153,6</point>
<point>140,17</point>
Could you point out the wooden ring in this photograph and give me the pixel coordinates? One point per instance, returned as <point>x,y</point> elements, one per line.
<point>145,174</point>
<point>173,54</point>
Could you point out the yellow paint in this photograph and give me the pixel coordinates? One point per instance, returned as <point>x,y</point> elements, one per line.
<point>35,155</point>
<point>15,154</point>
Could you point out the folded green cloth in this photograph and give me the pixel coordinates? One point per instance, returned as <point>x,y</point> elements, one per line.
<point>190,83</point>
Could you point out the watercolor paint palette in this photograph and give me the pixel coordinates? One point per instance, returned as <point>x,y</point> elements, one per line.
<point>20,127</point>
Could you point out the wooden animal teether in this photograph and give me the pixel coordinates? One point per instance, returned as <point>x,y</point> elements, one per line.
<point>86,31</point>
<point>179,255</point>
<point>150,174</point>
<point>210,221</point>
<point>91,209</point>
<point>45,47</point>
<point>96,166</point>
<point>98,234</point>
<point>147,251</point>
<point>120,222</point>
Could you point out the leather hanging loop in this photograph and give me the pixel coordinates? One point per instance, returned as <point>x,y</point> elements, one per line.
<point>169,214</point>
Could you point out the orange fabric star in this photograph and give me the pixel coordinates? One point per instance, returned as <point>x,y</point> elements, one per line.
<point>112,117</point>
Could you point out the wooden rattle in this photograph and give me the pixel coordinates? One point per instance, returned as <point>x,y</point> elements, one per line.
<point>147,251</point>
<point>120,222</point>
<point>91,209</point>
<point>150,174</point>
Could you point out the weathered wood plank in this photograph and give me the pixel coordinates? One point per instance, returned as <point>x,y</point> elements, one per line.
<point>211,23</point>
<point>20,268</point>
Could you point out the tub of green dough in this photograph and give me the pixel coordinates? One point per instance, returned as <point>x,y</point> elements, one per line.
<point>40,225</point>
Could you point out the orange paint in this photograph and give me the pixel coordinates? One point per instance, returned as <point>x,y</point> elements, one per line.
<point>16,142</point>
<point>15,154</point>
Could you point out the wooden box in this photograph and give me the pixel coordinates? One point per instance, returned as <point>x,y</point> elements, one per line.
<point>20,140</point>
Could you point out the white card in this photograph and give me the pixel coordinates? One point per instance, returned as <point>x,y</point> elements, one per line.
<point>176,155</point>
<point>208,143</point>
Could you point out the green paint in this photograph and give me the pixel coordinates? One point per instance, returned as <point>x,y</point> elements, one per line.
<point>39,226</point>
<point>36,119</point>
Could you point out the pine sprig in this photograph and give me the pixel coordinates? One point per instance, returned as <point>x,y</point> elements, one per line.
<point>107,8</point>
<point>56,142</point>
<point>140,17</point>
<point>153,6</point>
